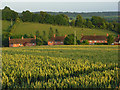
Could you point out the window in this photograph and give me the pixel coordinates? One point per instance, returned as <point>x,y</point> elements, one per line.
<point>33,44</point>
<point>55,42</point>
<point>119,41</point>
<point>61,42</point>
<point>90,41</point>
<point>50,41</point>
<point>20,44</point>
<point>11,44</point>
<point>95,41</point>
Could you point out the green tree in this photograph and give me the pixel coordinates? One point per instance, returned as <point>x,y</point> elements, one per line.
<point>39,41</point>
<point>72,23</point>
<point>26,16</point>
<point>89,23</point>
<point>69,40</point>
<point>110,39</point>
<point>50,33</point>
<point>56,32</point>
<point>79,21</point>
<point>35,17</point>
<point>97,21</point>
<point>8,14</point>
<point>85,42</point>
<point>42,17</point>
<point>37,33</point>
<point>61,20</point>
<point>44,38</point>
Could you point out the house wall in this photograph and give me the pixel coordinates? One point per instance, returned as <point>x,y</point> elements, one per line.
<point>55,43</point>
<point>95,41</point>
<point>15,45</point>
<point>18,45</point>
<point>49,43</point>
<point>116,43</point>
<point>30,44</point>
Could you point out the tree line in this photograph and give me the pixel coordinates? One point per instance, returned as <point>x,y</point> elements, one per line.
<point>60,19</point>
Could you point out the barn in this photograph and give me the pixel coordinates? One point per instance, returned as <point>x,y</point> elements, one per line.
<point>22,42</point>
<point>56,40</point>
<point>92,39</point>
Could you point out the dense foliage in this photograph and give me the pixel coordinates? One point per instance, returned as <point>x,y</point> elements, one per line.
<point>60,19</point>
<point>35,67</point>
<point>110,39</point>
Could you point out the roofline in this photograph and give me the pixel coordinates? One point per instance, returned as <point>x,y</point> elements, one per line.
<point>23,38</point>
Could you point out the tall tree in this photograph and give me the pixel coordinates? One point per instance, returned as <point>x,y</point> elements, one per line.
<point>26,16</point>
<point>37,33</point>
<point>88,23</point>
<point>97,21</point>
<point>79,21</point>
<point>8,14</point>
<point>61,20</point>
<point>50,33</point>
<point>72,23</point>
<point>42,17</point>
<point>110,39</point>
<point>69,40</point>
<point>56,32</point>
<point>44,38</point>
<point>35,17</point>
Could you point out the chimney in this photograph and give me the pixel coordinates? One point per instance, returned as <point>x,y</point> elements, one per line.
<point>9,38</point>
<point>65,35</point>
<point>107,34</point>
<point>54,35</point>
<point>35,37</point>
<point>22,37</point>
<point>118,35</point>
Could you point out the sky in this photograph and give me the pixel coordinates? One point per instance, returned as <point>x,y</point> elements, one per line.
<point>72,6</point>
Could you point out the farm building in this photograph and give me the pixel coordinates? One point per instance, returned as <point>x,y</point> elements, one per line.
<point>117,41</point>
<point>56,40</point>
<point>22,42</point>
<point>94,39</point>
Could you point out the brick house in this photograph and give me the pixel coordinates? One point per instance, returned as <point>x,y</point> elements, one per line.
<point>22,42</point>
<point>92,39</point>
<point>56,40</point>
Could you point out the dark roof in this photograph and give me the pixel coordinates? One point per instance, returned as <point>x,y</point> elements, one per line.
<point>117,39</point>
<point>57,38</point>
<point>21,41</point>
<point>94,38</point>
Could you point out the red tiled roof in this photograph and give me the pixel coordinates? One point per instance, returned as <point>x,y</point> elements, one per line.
<point>21,41</point>
<point>57,38</point>
<point>94,38</point>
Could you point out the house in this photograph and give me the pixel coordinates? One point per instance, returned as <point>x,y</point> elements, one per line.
<point>22,42</point>
<point>56,40</point>
<point>117,41</point>
<point>92,39</point>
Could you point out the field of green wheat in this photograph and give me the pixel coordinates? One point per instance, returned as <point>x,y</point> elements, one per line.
<point>72,66</point>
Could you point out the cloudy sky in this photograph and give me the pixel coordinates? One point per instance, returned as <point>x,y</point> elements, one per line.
<point>61,6</point>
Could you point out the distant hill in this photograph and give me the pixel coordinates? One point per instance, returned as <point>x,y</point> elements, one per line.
<point>109,16</point>
<point>30,28</point>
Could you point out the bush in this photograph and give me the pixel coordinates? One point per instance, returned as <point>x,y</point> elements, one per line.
<point>39,41</point>
<point>85,42</point>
